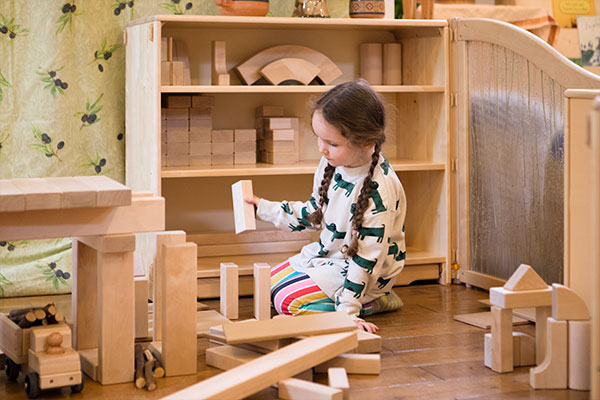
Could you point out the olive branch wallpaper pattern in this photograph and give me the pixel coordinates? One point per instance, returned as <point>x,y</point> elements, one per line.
<point>62,107</point>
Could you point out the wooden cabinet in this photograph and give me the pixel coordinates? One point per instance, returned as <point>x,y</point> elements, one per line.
<point>198,199</point>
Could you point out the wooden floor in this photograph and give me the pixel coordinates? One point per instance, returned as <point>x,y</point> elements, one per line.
<point>425,355</point>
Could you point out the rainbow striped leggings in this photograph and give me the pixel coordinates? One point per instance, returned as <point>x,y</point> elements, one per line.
<point>294,293</point>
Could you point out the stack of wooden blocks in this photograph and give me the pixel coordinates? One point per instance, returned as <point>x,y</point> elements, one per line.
<point>186,131</point>
<point>172,73</point>
<point>233,146</point>
<point>277,135</point>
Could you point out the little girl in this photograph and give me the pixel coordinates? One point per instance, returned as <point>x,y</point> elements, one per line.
<point>359,205</point>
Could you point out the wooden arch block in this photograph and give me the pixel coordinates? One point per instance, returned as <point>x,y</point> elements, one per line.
<point>567,305</point>
<point>249,69</point>
<point>525,278</point>
<point>290,68</point>
<point>552,373</point>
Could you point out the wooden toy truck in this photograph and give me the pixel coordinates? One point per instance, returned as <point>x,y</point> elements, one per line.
<point>43,353</point>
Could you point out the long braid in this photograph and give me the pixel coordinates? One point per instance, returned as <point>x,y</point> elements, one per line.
<point>316,217</point>
<point>362,203</point>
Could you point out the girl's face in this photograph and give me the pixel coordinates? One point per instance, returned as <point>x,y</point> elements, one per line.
<point>335,147</point>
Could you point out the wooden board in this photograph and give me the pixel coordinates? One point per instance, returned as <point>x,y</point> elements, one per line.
<point>483,320</point>
<point>243,212</point>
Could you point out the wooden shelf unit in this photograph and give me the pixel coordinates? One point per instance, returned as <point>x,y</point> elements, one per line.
<point>198,199</point>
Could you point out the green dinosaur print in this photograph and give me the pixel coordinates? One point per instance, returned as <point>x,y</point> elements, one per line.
<point>296,228</point>
<point>304,221</point>
<point>364,263</point>
<point>393,249</point>
<point>322,252</point>
<point>286,208</point>
<point>379,207</point>
<point>385,166</point>
<point>335,234</point>
<point>401,256</point>
<point>382,282</point>
<point>357,288</point>
<point>313,202</point>
<point>352,211</point>
<point>376,232</point>
<point>342,184</point>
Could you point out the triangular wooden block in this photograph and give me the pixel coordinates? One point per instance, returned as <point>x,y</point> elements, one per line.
<point>525,278</point>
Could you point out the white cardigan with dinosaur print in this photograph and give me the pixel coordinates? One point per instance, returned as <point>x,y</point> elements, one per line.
<point>381,247</point>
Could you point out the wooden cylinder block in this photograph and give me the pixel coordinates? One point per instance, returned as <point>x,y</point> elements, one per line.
<point>579,337</point>
<point>392,64</point>
<point>371,58</point>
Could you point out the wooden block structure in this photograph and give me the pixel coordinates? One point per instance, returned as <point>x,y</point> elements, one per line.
<point>186,131</point>
<point>278,136</point>
<point>243,212</point>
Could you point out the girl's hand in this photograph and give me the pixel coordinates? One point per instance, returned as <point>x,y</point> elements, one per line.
<point>253,200</point>
<point>367,326</point>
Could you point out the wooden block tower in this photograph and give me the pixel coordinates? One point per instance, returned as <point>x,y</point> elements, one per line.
<point>277,135</point>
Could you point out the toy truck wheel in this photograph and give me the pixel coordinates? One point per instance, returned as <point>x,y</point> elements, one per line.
<point>77,388</point>
<point>12,370</point>
<point>32,385</point>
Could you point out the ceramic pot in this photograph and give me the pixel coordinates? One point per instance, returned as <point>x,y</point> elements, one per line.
<point>257,8</point>
<point>367,8</point>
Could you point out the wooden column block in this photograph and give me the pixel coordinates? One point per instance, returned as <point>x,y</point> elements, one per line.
<point>293,388</point>
<point>244,135</point>
<point>502,341</point>
<point>166,73</point>
<point>84,297</point>
<point>262,291</point>
<point>371,59</point>
<point>159,275</point>
<point>141,306</point>
<point>219,75</point>
<point>243,212</point>
<point>178,73</point>
<point>579,351</point>
<point>338,379</point>
<point>229,290</point>
<point>392,64</point>
<point>541,318</point>
<point>552,373</point>
<point>179,307</point>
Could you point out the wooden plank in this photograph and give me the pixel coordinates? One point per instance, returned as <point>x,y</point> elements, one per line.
<point>243,212</point>
<point>262,291</point>
<point>368,342</point>
<point>228,357</point>
<point>530,298</point>
<point>179,306</point>
<point>256,375</point>
<point>315,324</point>
<point>251,248</point>
<point>11,197</point>
<point>110,193</point>
<point>39,194</point>
<point>298,389</point>
<point>258,236</point>
<point>75,193</point>
<point>208,318</point>
<point>483,320</point>
<point>338,379</point>
<point>364,364</point>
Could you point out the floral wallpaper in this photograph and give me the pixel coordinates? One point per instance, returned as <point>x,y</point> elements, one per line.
<point>62,107</point>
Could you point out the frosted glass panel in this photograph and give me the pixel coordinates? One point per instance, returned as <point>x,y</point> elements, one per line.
<point>515,165</point>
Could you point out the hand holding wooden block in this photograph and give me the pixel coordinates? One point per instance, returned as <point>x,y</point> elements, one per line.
<point>243,212</point>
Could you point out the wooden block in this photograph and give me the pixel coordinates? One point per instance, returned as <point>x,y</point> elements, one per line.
<point>39,335</point>
<point>179,306</point>
<point>169,48</point>
<point>279,134</point>
<point>180,54</point>
<point>368,342</point>
<point>262,284</point>
<point>177,149</point>
<point>178,77</point>
<point>109,193</point>
<point>201,112</point>
<point>141,305</point>
<point>483,320</point>
<point>221,148</point>
<point>166,73</point>
<point>269,111</point>
<point>315,324</point>
<point>182,125</point>
<point>221,159</point>
<point>258,374</point>
<point>277,123</point>
<point>296,389</point>
<point>243,213</point>
<point>541,318</point>
<point>502,341</point>
<point>222,136</point>
<point>74,193</point>
<point>244,135</point>
<point>179,101</point>
<point>525,278</point>
<point>208,318</point>
<point>164,49</point>
<point>529,298</point>
<point>200,149</point>
<point>244,158</point>
<point>11,197</point>
<point>39,194</point>
<point>178,136</point>
<point>290,69</point>
<point>228,357</point>
<point>196,160</point>
<point>110,243</point>
<point>278,146</point>
<point>163,139</point>
<point>176,160</point>
<point>177,114</point>
<point>278,157</point>
<point>579,351</point>
<point>552,373</point>
<point>201,101</point>
<point>219,75</point>
<point>567,305</point>
<point>229,290</point>
<point>392,64</point>
<point>49,364</point>
<point>200,135</point>
<point>364,364</point>
<point>338,379</point>
<point>244,147</point>
<point>523,350</point>
<point>371,63</point>
<point>263,347</point>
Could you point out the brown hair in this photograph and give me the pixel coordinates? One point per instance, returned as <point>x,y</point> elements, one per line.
<point>359,113</point>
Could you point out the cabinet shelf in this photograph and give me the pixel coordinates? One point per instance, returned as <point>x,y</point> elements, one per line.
<point>239,89</point>
<point>300,168</point>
